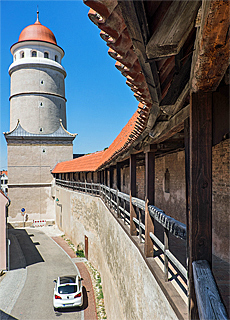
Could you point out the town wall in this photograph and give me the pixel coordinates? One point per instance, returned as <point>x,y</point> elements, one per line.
<point>130,290</point>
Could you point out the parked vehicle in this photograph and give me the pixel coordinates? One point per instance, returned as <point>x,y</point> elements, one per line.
<point>68,292</point>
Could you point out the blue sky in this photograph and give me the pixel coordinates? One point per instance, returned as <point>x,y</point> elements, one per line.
<point>99,103</point>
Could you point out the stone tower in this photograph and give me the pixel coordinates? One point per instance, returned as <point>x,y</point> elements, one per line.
<point>38,136</point>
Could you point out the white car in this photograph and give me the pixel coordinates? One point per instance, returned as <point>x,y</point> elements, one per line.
<point>68,292</point>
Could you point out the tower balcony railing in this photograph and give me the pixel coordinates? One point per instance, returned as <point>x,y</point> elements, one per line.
<point>210,305</point>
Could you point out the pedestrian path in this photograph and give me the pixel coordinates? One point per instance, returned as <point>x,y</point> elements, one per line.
<point>89,303</point>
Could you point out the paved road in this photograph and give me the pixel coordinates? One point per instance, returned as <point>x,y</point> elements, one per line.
<point>45,260</point>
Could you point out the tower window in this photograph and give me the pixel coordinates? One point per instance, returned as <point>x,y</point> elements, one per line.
<point>41,129</point>
<point>41,104</point>
<point>56,58</point>
<point>41,81</point>
<point>43,150</point>
<point>34,53</point>
<point>46,55</point>
<point>22,54</point>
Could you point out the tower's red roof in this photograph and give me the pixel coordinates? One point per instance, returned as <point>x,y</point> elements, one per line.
<point>37,32</point>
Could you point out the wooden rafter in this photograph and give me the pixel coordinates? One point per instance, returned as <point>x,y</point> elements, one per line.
<point>212,46</point>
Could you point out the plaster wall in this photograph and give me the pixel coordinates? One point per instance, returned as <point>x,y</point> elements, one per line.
<point>37,99</point>
<point>130,289</point>
<point>30,179</point>
<point>37,201</point>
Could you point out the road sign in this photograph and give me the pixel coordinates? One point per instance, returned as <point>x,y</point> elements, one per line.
<point>23,211</point>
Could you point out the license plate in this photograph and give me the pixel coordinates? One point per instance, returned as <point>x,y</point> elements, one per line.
<point>68,304</point>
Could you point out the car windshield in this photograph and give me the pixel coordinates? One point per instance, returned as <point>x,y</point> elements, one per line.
<point>67,289</point>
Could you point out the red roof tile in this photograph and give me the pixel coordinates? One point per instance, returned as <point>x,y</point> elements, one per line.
<point>88,162</point>
<point>107,15</point>
<point>94,161</point>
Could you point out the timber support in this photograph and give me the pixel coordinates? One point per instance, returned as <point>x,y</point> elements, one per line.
<point>132,173</point>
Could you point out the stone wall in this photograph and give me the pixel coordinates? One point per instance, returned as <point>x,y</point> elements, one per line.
<point>170,196</point>
<point>221,199</point>
<point>130,290</point>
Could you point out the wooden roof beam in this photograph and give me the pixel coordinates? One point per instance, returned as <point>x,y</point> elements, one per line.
<point>211,58</point>
<point>170,36</point>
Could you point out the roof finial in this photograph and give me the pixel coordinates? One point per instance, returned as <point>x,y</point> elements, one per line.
<point>37,14</point>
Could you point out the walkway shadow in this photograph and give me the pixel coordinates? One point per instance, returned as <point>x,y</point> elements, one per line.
<point>6,316</point>
<point>23,251</point>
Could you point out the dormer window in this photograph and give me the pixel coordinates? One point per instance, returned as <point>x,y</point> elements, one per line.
<point>22,54</point>
<point>46,55</point>
<point>34,53</point>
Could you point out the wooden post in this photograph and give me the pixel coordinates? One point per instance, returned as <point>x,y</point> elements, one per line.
<point>200,218</point>
<point>106,177</point>
<point>118,205</point>
<point>110,177</point>
<point>118,169</point>
<point>149,198</point>
<point>187,184</point>
<point>132,173</point>
<point>140,229</point>
<point>86,247</point>
<point>166,247</point>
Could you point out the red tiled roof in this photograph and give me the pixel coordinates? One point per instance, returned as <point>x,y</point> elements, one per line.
<point>88,162</point>
<point>107,16</point>
<point>94,161</point>
<point>3,172</point>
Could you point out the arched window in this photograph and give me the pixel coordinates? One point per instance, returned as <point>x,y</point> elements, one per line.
<point>56,58</point>
<point>46,55</point>
<point>34,53</point>
<point>22,54</point>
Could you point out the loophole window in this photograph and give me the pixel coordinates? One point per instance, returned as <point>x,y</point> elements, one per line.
<point>167,181</point>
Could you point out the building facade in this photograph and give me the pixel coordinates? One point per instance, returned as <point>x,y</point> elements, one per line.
<point>4,181</point>
<point>38,138</point>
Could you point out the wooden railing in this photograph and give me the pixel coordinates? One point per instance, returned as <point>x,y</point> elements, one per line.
<point>208,300</point>
<point>119,202</point>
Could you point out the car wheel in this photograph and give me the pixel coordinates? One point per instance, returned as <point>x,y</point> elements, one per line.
<point>55,309</point>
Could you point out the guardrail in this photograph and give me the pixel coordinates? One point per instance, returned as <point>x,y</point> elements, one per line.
<point>119,202</point>
<point>209,302</point>
<point>208,299</point>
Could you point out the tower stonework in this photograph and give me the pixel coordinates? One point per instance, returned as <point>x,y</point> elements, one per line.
<point>38,136</point>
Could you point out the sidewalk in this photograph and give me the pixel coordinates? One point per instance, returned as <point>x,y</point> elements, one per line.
<point>89,305</point>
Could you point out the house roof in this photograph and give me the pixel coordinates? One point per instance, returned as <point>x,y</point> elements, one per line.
<point>153,43</point>
<point>88,162</point>
<point>94,161</point>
